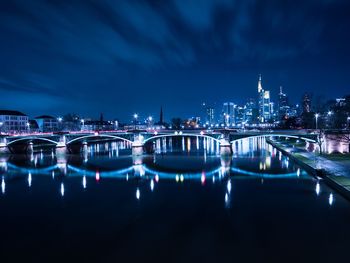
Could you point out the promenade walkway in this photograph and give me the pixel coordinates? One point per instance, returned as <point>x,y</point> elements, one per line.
<point>335,172</point>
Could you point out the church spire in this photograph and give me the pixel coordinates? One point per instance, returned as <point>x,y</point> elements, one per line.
<point>259,84</point>
<point>161,115</point>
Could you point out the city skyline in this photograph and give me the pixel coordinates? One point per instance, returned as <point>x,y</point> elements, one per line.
<point>121,58</point>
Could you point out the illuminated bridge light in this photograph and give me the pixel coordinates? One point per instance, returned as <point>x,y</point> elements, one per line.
<point>29,179</point>
<point>152,185</point>
<point>330,199</point>
<point>138,194</point>
<point>62,189</point>
<point>177,178</point>
<point>97,176</point>
<point>203,178</point>
<point>3,185</point>
<point>318,190</point>
<point>229,186</point>
<point>156,178</point>
<point>182,178</point>
<point>84,182</point>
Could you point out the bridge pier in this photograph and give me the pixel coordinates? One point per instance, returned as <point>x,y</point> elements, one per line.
<point>225,147</point>
<point>137,149</point>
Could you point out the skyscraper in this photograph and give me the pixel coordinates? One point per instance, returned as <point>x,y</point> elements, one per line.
<point>306,103</point>
<point>228,113</point>
<point>264,102</point>
<point>210,115</point>
<point>283,106</point>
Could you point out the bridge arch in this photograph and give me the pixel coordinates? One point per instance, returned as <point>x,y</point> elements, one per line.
<point>275,135</point>
<point>181,135</point>
<point>32,139</point>
<point>99,135</point>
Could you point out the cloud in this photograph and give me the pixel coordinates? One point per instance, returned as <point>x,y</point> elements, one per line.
<point>70,48</point>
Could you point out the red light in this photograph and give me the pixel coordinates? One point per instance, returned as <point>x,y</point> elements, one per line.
<point>97,176</point>
<point>203,178</point>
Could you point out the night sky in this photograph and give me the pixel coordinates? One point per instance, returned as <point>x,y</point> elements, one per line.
<point>121,57</point>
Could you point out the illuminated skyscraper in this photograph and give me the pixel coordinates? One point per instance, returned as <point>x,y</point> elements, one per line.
<point>283,106</point>
<point>264,103</point>
<point>228,113</point>
<point>210,115</point>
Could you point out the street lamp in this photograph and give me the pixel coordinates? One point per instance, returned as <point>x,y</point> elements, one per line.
<point>28,127</point>
<point>316,116</point>
<point>348,119</point>
<point>329,118</point>
<point>82,122</point>
<point>135,119</point>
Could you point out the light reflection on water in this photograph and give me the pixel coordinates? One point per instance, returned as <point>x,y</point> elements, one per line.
<point>197,159</point>
<point>195,197</point>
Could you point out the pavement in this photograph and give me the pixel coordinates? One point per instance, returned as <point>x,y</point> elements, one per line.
<point>335,173</point>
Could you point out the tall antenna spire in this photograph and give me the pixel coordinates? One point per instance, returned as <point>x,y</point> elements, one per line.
<point>281,90</point>
<point>259,84</point>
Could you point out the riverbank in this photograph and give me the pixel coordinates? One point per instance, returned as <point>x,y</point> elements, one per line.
<point>335,174</point>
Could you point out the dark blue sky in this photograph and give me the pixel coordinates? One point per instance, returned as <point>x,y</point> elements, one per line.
<point>121,57</point>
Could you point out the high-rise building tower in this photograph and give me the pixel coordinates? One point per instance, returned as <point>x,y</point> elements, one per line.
<point>306,103</point>
<point>228,113</point>
<point>264,102</point>
<point>210,115</point>
<point>283,106</point>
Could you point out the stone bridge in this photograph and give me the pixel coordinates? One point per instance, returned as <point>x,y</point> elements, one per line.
<point>140,140</point>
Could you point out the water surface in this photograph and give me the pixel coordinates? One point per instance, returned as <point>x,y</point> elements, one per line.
<point>184,203</point>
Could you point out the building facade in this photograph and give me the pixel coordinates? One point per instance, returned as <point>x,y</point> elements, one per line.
<point>210,115</point>
<point>47,123</point>
<point>13,121</point>
<point>264,103</point>
<point>283,106</point>
<point>228,113</point>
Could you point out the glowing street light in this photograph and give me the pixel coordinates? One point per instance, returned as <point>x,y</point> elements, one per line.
<point>316,117</point>
<point>82,121</point>
<point>135,119</point>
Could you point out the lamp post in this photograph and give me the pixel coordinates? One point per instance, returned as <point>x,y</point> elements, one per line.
<point>82,122</point>
<point>150,119</point>
<point>28,127</point>
<point>316,117</point>
<point>60,123</point>
<point>135,119</point>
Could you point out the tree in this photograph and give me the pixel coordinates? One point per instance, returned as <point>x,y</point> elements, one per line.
<point>176,123</point>
<point>320,139</point>
<point>345,138</point>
